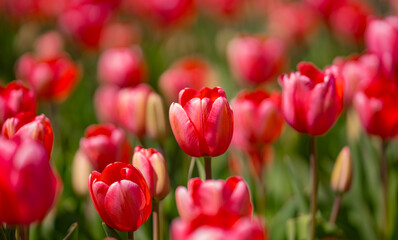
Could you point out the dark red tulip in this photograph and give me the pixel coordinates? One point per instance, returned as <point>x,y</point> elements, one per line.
<point>28,186</point>
<point>202,122</point>
<point>28,125</point>
<point>104,144</point>
<point>121,196</point>
<point>16,98</point>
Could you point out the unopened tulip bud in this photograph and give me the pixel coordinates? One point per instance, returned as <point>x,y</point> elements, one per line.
<point>81,169</point>
<point>153,167</point>
<point>155,117</point>
<point>342,172</point>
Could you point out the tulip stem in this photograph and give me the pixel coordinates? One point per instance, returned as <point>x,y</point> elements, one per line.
<point>155,218</point>
<point>314,186</point>
<point>336,208</point>
<point>208,167</point>
<point>130,236</point>
<point>384,183</point>
<point>23,232</point>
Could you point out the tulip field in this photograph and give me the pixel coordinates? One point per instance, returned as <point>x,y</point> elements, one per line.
<point>198,119</point>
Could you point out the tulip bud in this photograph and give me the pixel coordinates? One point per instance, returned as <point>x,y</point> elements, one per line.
<point>28,125</point>
<point>153,167</point>
<point>155,117</point>
<point>81,169</point>
<point>120,196</point>
<point>342,172</point>
<point>104,144</point>
<point>202,122</point>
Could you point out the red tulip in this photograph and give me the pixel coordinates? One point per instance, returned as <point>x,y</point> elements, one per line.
<point>325,7</point>
<point>33,9</point>
<point>255,59</point>
<point>28,186</point>
<point>153,167</point>
<point>382,40</point>
<point>105,100</point>
<point>49,45</point>
<point>188,72</point>
<point>121,196</point>
<point>123,67</point>
<point>119,35</point>
<point>164,13</point>
<point>28,125</point>
<point>51,79</point>
<point>84,20</point>
<point>244,229</point>
<point>294,22</point>
<point>222,9</point>
<point>104,144</point>
<point>212,200</point>
<point>377,106</point>
<point>350,19</point>
<point>202,122</point>
<point>15,98</point>
<point>311,99</point>
<point>131,105</point>
<point>258,118</point>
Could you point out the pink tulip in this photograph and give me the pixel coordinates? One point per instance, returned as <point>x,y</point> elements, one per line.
<point>123,67</point>
<point>382,40</point>
<point>202,122</point>
<point>311,100</point>
<point>188,72</point>
<point>28,125</point>
<point>52,79</point>
<point>15,98</point>
<point>28,186</point>
<point>153,167</point>
<point>244,229</point>
<point>131,105</point>
<point>120,196</point>
<point>214,199</point>
<point>258,118</point>
<point>104,144</point>
<point>119,35</point>
<point>49,45</point>
<point>377,107</point>
<point>105,100</point>
<point>255,59</point>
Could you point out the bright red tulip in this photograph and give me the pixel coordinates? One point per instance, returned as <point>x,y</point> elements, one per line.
<point>28,125</point>
<point>15,98</point>
<point>105,100</point>
<point>104,144</point>
<point>121,196</point>
<point>294,22</point>
<point>202,122</point>
<point>153,167</point>
<point>382,40</point>
<point>255,59</point>
<point>311,100</point>
<point>28,186</point>
<point>164,13</point>
<point>258,118</point>
<point>51,79</point>
<point>124,67</point>
<point>377,107</point>
<point>131,105</point>
<point>212,200</point>
<point>188,72</point>
<point>244,229</point>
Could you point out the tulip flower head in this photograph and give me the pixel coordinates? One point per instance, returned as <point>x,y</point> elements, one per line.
<point>28,125</point>
<point>202,122</point>
<point>153,167</point>
<point>28,186</point>
<point>105,100</point>
<point>121,196</point>
<point>16,98</point>
<point>311,100</point>
<point>104,144</point>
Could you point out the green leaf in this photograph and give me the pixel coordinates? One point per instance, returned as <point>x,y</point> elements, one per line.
<point>2,233</point>
<point>110,232</point>
<point>72,232</point>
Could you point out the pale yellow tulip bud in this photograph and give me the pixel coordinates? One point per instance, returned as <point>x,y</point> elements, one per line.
<point>81,169</point>
<point>156,127</point>
<point>342,172</point>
